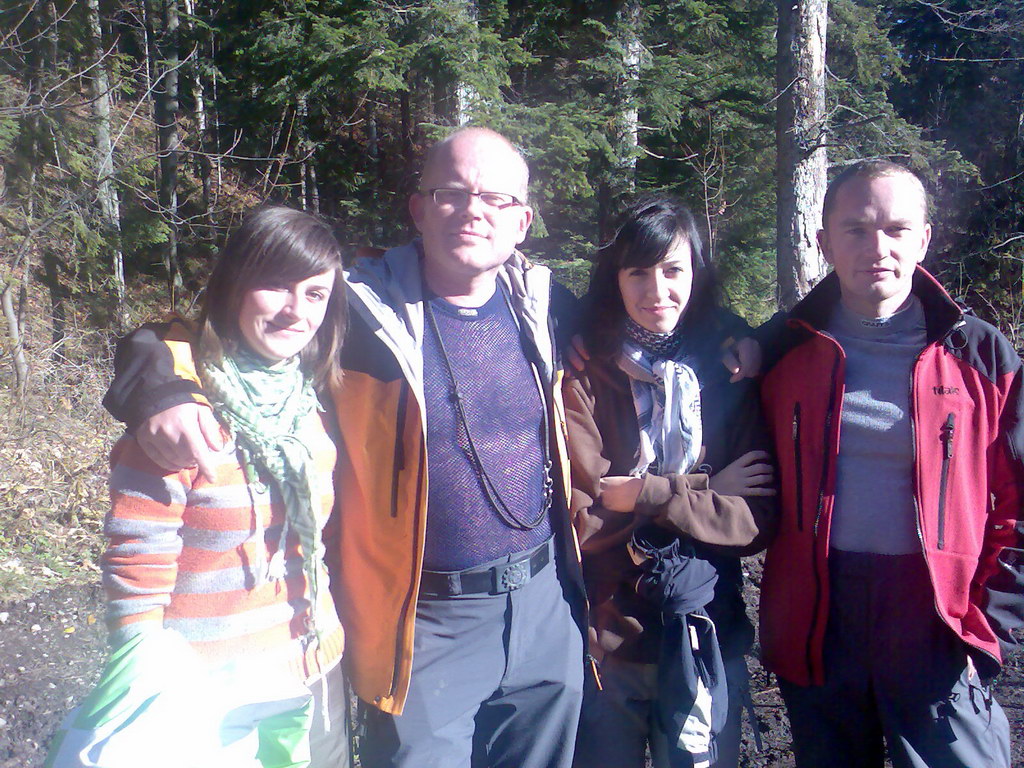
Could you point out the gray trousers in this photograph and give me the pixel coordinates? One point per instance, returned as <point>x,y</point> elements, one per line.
<point>618,724</point>
<point>894,673</point>
<point>497,682</point>
<point>328,733</point>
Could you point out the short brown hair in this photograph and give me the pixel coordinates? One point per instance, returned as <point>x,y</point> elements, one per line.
<point>275,244</point>
<point>870,169</point>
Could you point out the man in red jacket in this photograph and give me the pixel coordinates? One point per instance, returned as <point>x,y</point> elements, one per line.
<point>891,592</point>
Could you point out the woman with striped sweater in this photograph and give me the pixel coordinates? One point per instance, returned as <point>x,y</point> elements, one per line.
<point>218,600</point>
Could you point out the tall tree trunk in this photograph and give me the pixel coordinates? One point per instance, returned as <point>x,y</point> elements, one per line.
<point>15,333</point>
<point>605,212</point>
<point>466,95</point>
<point>452,97</point>
<point>620,180</point>
<point>40,58</point>
<point>15,315</point>
<point>59,295</point>
<point>204,166</point>
<point>106,191</point>
<point>165,94</point>
<point>50,37</point>
<point>314,187</point>
<point>629,117</point>
<point>408,153</point>
<point>373,141</point>
<point>144,37</point>
<point>307,169</point>
<point>801,171</point>
<point>377,159</point>
<point>215,131</point>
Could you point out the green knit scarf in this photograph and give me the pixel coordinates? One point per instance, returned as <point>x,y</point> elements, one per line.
<point>265,407</point>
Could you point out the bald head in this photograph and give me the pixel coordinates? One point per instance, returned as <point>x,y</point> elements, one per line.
<point>440,155</point>
<point>474,226</point>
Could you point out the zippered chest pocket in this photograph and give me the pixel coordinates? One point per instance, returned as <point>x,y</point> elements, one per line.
<point>946,435</point>
<point>953,472</point>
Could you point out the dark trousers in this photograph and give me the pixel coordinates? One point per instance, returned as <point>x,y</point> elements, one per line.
<point>618,725</point>
<point>497,682</point>
<point>894,673</point>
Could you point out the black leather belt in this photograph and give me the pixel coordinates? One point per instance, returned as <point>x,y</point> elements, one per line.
<point>493,580</point>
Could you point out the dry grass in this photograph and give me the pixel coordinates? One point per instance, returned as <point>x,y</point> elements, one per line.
<point>53,468</point>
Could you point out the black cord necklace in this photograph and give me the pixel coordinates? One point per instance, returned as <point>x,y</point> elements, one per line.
<point>507,516</point>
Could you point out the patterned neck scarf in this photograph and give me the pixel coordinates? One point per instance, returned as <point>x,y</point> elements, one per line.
<point>666,395</point>
<point>663,345</point>
<point>265,407</point>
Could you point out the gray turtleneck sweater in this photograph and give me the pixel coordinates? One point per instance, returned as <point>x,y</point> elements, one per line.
<point>874,506</point>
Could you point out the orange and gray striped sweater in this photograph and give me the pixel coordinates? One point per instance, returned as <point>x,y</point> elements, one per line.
<point>193,556</point>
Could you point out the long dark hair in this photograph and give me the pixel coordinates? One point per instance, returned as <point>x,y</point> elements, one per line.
<point>650,229</point>
<point>274,245</point>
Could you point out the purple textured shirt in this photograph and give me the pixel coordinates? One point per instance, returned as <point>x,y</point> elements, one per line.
<point>505,415</point>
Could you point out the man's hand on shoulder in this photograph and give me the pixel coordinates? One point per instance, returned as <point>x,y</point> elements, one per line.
<point>577,353</point>
<point>182,437</point>
<point>743,359</point>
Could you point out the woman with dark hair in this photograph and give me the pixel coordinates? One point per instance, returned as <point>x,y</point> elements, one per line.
<point>220,616</point>
<point>671,485</point>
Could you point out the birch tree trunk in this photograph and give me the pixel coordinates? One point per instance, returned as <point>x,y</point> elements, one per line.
<point>632,50</point>
<point>106,191</point>
<point>307,168</point>
<point>203,164</point>
<point>453,98</point>
<point>801,171</point>
<point>14,334</point>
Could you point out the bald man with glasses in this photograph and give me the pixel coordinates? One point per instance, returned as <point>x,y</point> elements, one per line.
<point>453,563</point>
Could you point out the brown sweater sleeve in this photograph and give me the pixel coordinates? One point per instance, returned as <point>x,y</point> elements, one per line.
<point>683,503</point>
<point>686,505</point>
<point>598,528</point>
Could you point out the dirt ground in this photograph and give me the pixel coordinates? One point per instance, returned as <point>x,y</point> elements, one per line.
<point>52,645</point>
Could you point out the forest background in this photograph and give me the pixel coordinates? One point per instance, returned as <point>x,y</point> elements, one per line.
<point>134,134</point>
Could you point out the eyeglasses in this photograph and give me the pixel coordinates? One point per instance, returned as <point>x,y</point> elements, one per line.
<point>457,198</point>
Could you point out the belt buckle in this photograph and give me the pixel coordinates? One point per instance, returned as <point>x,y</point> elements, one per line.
<point>512,576</point>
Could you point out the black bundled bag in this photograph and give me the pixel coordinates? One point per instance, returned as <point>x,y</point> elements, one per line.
<point>693,698</point>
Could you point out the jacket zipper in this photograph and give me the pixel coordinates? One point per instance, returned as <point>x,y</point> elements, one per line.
<point>399,465</point>
<point>798,459</point>
<point>410,599</point>
<point>946,433</point>
<point>399,456</point>
<point>829,455</point>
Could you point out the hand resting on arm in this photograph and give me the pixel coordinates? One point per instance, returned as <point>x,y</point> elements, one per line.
<point>182,437</point>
